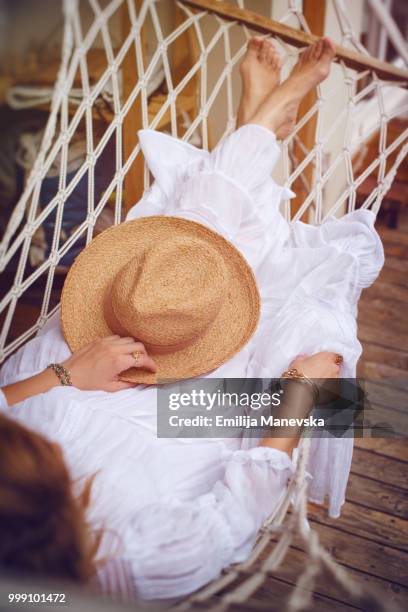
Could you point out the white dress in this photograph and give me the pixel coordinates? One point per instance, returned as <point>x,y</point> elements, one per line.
<point>178,511</point>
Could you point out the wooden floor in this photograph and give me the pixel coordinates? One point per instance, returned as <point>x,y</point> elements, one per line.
<point>371,537</point>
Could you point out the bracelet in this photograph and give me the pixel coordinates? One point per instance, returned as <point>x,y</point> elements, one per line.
<point>63,375</point>
<point>295,374</point>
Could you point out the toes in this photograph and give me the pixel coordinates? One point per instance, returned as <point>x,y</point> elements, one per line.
<point>274,56</point>
<point>316,50</point>
<point>277,61</point>
<point>312,51</point>
<point>321,49</point>
<point>269,54</point>
<point>252,50</point>
<point>328,48</point>
<point>263,51</point>
<point>304,55</point>
<point>254,43</point>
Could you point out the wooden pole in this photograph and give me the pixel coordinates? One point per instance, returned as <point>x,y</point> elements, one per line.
<point>297,38</point>
<point>315,14</point>
<point>134,179</point>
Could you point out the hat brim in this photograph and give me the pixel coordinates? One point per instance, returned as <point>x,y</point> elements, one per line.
<point>90,277</point>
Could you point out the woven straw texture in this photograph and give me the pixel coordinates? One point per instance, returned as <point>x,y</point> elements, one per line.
<point>175,285</point>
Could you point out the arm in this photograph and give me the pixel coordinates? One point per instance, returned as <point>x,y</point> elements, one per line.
<point>298,399</point>
<point>40,383</point>
<point>97,366</point>
<point>175,547</point>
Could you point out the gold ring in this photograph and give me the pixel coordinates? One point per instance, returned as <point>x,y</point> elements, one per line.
<point>136,356</point>
<point>338,360</point>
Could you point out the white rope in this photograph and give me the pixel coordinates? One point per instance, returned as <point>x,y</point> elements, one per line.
<point>74,108</point>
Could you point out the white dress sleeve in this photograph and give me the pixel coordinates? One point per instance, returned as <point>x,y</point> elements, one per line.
<point>175,546</point>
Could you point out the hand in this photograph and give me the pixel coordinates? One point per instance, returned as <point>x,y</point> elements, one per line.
<point>319,365</point>
<point>97,366</point>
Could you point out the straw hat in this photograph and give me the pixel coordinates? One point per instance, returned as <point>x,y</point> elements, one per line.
<point>175,285</point>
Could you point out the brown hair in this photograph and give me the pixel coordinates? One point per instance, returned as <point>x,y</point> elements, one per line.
<point>43,527</point>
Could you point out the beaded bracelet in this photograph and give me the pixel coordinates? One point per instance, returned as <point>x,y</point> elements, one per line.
<point>63,375</point>
<point>299,376</point>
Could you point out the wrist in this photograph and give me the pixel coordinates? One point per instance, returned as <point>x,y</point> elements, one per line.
<point>75,374</point>
<point>40,383</point>
<point>62,374</point>
<point>295,376</point>
<point>46,380</point>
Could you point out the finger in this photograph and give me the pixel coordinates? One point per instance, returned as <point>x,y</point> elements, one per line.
<point>132,346</point>
<point>126,340</point>
<point>150,364</point>
<point>144,361</point>
<point>329,355</point>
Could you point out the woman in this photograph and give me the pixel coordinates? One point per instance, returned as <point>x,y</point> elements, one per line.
<point>175,512</point>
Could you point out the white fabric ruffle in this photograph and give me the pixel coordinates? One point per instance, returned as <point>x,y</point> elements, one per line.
<point>189,507</point>
<point>175,547</point>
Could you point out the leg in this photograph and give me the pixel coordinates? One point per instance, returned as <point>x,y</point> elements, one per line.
<point>280,108</point>
<point>260,74</point>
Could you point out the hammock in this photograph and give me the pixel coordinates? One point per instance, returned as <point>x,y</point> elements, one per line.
<point>188,104</point>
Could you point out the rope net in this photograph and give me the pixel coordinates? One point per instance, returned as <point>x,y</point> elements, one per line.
<point>131,64</point>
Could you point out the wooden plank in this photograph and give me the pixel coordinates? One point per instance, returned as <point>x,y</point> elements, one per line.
<point>46,75</point>
<point>369,523</point>
<point>295,562</point>
<point>387,292</point>
<point>393,275</point>
<point>384,422</point>
<point>275,601</point>
<point>351,550</point>
<point>370,369</point>
<point>382,336</point>
<point>297,38</point>
<point>274,595</point>
<point>380,468</point>
<point>319,602</point>
<point>378,308</point>
<point>379,495</point>
<point>374,352</point>
<point>395,263</point>
<point>393,236</point>
<point>395,270</point>
<point>388,447</point>
<point>389,396</point>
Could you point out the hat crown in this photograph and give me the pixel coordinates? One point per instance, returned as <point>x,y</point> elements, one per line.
<point>168,295</point>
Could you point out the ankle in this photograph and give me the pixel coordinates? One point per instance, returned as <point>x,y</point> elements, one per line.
<point>271,122</point>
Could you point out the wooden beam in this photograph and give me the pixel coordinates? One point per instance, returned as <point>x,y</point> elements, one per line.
<point>297,38</point>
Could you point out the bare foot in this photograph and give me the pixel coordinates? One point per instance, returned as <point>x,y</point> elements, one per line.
<point>260,74</point>
<point>279,111</point>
